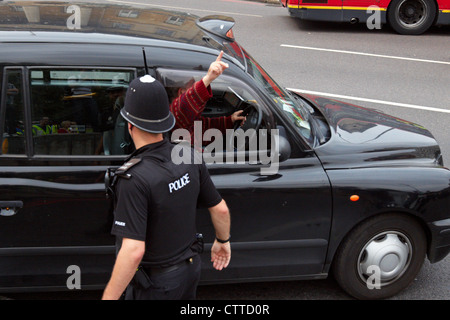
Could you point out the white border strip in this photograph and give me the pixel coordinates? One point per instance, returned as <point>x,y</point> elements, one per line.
<point>404,105</point>
<point>365,54</point>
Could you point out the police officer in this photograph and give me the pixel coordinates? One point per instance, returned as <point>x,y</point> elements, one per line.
<point>44,128</point>
<point>156,201</point>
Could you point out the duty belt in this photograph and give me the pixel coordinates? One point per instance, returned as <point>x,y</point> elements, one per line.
<point>158,270</point>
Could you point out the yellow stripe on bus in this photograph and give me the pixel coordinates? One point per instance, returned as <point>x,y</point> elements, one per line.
<point>320,7</point>
<point>365,8</point>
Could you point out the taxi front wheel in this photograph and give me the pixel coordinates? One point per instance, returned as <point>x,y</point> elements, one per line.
<point>411,17</point>
<point>380,257</point>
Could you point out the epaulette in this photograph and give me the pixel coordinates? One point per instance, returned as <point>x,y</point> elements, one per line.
<point>122,171</point>
<point>112,174</point>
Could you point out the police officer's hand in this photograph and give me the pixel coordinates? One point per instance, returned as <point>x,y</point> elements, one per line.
<point>215,69</point>
<point>220,255</point>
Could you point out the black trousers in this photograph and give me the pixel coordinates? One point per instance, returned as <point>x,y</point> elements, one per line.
<point>179,284</point>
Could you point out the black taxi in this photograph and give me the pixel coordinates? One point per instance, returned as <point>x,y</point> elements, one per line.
<point>328,187</point>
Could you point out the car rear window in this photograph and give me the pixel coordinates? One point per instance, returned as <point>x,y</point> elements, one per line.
<point>77,111</point>
<point>13,139</point>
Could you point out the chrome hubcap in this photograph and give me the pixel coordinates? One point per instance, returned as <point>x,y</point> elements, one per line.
<point>389,252</point>
<point>412,13</point>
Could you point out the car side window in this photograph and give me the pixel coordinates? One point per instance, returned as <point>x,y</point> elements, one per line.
<point>229,95</point>
<point>77,111</point>
<point>13,138</point>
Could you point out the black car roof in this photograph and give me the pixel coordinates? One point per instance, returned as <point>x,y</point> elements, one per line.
<point>106,23</point>
<point>39,21</point>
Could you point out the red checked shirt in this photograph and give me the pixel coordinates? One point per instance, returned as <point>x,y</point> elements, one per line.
<point>188,108</point>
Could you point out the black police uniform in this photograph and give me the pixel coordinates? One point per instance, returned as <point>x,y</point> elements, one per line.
<point>156,203</point>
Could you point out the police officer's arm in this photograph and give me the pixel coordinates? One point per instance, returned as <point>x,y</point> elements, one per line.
<point>128,259</point>
<point>221,252</point>
<point>220,216</point>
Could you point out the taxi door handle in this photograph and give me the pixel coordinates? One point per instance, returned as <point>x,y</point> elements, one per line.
<point>9,208</point>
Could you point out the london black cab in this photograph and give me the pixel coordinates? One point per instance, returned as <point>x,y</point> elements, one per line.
<point>349,190</point>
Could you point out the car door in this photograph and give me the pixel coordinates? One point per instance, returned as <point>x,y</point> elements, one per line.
<point>60,135</point>
<point>280,214</point>
<point>280,223</point>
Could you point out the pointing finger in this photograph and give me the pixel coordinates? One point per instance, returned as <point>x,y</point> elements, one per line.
<point>220,56</point>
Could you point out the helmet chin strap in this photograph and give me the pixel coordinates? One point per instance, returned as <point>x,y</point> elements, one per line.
<point>141,138</point>
<point>130,130</point>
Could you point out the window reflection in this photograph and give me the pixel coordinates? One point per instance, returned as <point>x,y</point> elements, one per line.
<point>13,141</point>
<point>77,112</point>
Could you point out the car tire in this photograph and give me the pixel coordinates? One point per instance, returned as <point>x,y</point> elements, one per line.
<point>380,257</point>
<point>411,17</point>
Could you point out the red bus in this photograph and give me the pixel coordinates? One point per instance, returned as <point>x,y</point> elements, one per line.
<point>404,16</point>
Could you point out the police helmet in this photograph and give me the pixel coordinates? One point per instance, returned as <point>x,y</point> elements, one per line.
<point>147,106</point>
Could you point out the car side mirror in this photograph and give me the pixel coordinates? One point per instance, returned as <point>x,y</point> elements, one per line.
<point>284,149</point>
